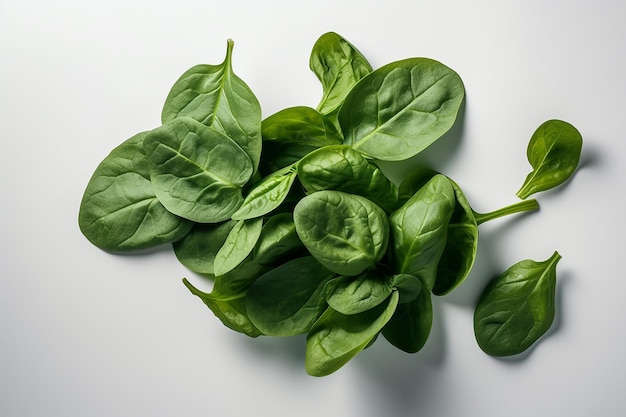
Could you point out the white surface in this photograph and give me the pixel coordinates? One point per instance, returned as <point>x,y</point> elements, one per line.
<point>85,333</point>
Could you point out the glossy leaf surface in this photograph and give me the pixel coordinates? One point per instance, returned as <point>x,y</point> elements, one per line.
<point>401,108</point>
<point>553,152</point>
<point>339,66</point>
<point>196,171</point>
<point>411,323</point>
<point>346,233</point>
<point>517,307</point>
<point>267,195</point>
<point>341,168</point>
<point>419,230</point>
<point>119,210</point>
<point>353,295</point>
<point>216,97</point>
<point>198,248</point>
<point>336,338</point>
<point>287,300</point>
<point>238,245</point>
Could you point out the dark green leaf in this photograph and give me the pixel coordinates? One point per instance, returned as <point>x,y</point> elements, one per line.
<point>346,233</point>
<point>196,171</point>
<point>119,210</point>
<point>338,65</point>
<point>410,325</point>
<point>286,300</point>
<point>198,248</point>
<point>553,152</point>
<point>336,338</point>
<point>353,295</point>
<point>238,245</point>
<point>517,307</point>
<point>278,239</point>
<point>215,96</point>
<point>401,108</point>
<point>341,168</point>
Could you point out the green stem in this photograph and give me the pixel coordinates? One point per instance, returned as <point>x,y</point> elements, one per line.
<point>519,207</point>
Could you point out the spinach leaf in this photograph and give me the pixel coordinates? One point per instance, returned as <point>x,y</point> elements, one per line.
<point>198,248</point>
<point>197,172</point>
<point>215,96</point>
<point>346,233</point>
<point>398,110</point>
<point>278,240</point>
<point>409,327</point>
<point>408,286</point>
<point>419,230</point>
<point>338,65</point>
<point>119,210</point>
<point>238,245</point>
<point>517,307</point>
<point>553,152</point>
<point>341,168</point>
<point>287,300</point>
<point>336,338</point>
<point>227,298</point>
<point>353,295</point>
<point>267,195</point>
<point>290,134</point>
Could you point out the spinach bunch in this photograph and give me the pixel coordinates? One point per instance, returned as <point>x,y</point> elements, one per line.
<point>296,224</point>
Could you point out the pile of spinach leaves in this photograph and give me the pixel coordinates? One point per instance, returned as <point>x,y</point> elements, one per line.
<point>297,226</point>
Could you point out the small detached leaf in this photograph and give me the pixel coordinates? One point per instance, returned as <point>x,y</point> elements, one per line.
<point>553,152</point>
<point>517,307</point>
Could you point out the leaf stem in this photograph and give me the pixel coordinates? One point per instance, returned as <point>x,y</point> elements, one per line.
<point>519,207</point>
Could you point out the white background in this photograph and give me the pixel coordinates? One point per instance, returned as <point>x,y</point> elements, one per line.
<point>86,333</point>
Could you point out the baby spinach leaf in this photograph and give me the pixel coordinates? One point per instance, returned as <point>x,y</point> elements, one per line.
<point>238,245</point>
<point>353,295</point>
<point>287,300</point>
<point>346,233</point>
<point>401,108</point>
<point>215,96</point>
<point>341,168</point>
<point>419,230</point>
<point>119,210</point>
<point>338,65</point>
<point>197,172</point>
<point>278,239</point>
<point>408,286</point>
<point>291,133</point>
<point>198,248</point>
<point>267,195</point>
<point>409,327</point>
<point>336,338</point>
<point>227,298</point>
<point>553,152</point>
<point>517,307</point>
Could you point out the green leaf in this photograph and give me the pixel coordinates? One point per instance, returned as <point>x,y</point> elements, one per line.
<point>197,172</point>
<point>216,97</point>
<point>346,233</point>
<point>287,300</point>
<point>408,286</point>
<point>341,168</point>
<point>419,230</point>
<point>353,295</point>
<point>553,152</point>
<point>338,65</point>
<point>401,108</point>
<point>267,195</point>
<point>291,133</point>
<point>278,239</point>
<point>517,307</point>
<point>198,248</point>
<point>227,298</point>
<point>336,338</point>
<point>119,210</point>
<point>410,325</point>
<point>238,245</point>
